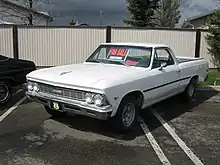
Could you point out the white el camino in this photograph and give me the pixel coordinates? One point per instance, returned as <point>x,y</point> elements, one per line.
<point>117,81</point>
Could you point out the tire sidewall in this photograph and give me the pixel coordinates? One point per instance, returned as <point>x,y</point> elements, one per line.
<point>118,121</point>
<point>189,97</point>
<point>8,87</point>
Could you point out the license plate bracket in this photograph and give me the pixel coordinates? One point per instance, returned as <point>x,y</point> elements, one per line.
<point>55,106</point>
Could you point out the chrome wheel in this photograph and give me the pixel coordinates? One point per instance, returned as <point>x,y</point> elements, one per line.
<point>128,114</point>
<point>4,92</point>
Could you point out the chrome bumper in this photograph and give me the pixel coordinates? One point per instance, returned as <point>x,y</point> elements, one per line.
<point>72,106</point>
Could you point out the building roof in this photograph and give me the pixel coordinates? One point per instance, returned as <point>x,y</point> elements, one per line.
<point>40,14</point>
<point>201,15</point>
<point>142,44</point>
<point>5,22</point>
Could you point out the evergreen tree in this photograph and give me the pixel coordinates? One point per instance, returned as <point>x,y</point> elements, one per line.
<point>168,13</point>
<point>141,12</point>
<point>213,38</point>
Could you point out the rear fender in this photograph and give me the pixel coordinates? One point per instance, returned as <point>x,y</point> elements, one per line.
<point>7,80</point>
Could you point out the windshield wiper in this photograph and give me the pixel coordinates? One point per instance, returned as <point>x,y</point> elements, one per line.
<point>117,62</point>
<point>106,61</point>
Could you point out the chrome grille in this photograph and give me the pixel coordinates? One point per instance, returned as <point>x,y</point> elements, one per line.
<point>62,92</point>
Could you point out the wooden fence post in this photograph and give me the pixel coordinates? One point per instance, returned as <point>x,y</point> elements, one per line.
<point>15,41</point>
<point>108,34</point>
<point>198,43</point>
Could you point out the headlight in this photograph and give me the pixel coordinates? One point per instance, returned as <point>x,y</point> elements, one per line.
<point>30,86</point>
<point>35,87</point>
<point>89,98</point>
<point>98,100</point>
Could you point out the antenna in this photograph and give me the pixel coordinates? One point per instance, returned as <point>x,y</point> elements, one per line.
<point>100,17</point>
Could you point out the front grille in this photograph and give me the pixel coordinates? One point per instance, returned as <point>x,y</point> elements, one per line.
<point>62,92</point>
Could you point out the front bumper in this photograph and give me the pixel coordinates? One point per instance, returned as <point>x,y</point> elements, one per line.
<point>72,106</point>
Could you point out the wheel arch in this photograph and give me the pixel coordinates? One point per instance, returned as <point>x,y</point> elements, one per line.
<point>196,77</point>
<point>136,93</point>
<point>9,80</point>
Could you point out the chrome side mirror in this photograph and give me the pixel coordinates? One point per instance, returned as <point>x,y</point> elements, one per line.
<point>163,65</point>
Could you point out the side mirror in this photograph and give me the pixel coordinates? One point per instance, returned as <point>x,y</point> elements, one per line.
<point>163,65</point>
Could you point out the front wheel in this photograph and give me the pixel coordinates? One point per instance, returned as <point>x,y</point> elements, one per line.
<point>127,114</point>
<point>5,92</point>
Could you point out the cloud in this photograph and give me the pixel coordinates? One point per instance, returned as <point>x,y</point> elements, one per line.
<point>87,8</point>
<point>82,5</point>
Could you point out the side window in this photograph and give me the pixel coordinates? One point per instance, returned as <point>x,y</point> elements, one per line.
<point>156,63</point>
<point>164,56</point>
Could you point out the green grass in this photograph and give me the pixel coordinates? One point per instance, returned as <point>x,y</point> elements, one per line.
<point>213,75</point>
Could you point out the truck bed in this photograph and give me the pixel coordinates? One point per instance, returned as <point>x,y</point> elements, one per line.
<point>187,59</point>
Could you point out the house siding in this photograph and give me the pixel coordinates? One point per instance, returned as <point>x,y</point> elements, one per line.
<point>199,22</point>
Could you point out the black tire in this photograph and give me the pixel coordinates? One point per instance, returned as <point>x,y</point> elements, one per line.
<point>6,94</point>
<point>189,92</point>
<point>54,113</point>
<point>117,120</point>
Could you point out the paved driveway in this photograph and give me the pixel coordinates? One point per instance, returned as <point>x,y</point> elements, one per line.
<point>171,132</point>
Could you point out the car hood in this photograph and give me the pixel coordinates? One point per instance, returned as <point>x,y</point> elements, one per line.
<point>86,75</point>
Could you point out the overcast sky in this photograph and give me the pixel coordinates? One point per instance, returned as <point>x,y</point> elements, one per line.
<point>112,5</point>
<point>87,8</point>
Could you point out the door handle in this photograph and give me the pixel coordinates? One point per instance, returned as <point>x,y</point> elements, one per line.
<point>178,71</point>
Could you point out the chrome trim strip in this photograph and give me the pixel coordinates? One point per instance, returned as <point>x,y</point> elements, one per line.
<point>86,89</point>
<point>64,92</point>
<point>80,104</point>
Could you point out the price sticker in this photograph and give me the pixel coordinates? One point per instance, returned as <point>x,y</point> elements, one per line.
<point>118,52</point>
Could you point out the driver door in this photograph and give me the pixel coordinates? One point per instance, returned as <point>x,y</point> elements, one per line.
<point>163,82</point>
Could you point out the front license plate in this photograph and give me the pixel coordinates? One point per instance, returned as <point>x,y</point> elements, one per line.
<point>56,106</point>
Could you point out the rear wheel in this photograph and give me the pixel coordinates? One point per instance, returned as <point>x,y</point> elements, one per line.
<point>127,114</point>
<point>189,92</point>
<point>54,112</point>
<point>5,92</point>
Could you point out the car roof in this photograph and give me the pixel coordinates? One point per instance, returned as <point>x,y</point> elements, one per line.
<point>142,44</point>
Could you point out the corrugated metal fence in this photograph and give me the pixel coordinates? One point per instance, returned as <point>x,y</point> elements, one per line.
<point>52,46</point>
<point>58,46</point>
<point>6,41</point>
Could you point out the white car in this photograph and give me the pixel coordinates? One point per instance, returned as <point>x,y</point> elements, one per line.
<point>116,82</point>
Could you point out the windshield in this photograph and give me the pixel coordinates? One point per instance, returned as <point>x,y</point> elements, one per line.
<point>122,55</point>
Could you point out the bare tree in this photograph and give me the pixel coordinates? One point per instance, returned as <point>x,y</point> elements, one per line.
<point>31,4</point>
<point>28,17</point>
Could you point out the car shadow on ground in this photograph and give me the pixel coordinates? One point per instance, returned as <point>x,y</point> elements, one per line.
<point>168,109</point>
<point>96,126</point>
<point>175,107</point>
<point>17,94</point>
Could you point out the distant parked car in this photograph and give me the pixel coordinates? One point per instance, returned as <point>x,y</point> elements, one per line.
<point>12,73</point>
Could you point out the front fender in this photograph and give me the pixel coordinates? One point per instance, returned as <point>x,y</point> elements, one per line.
<point>116,95</point>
